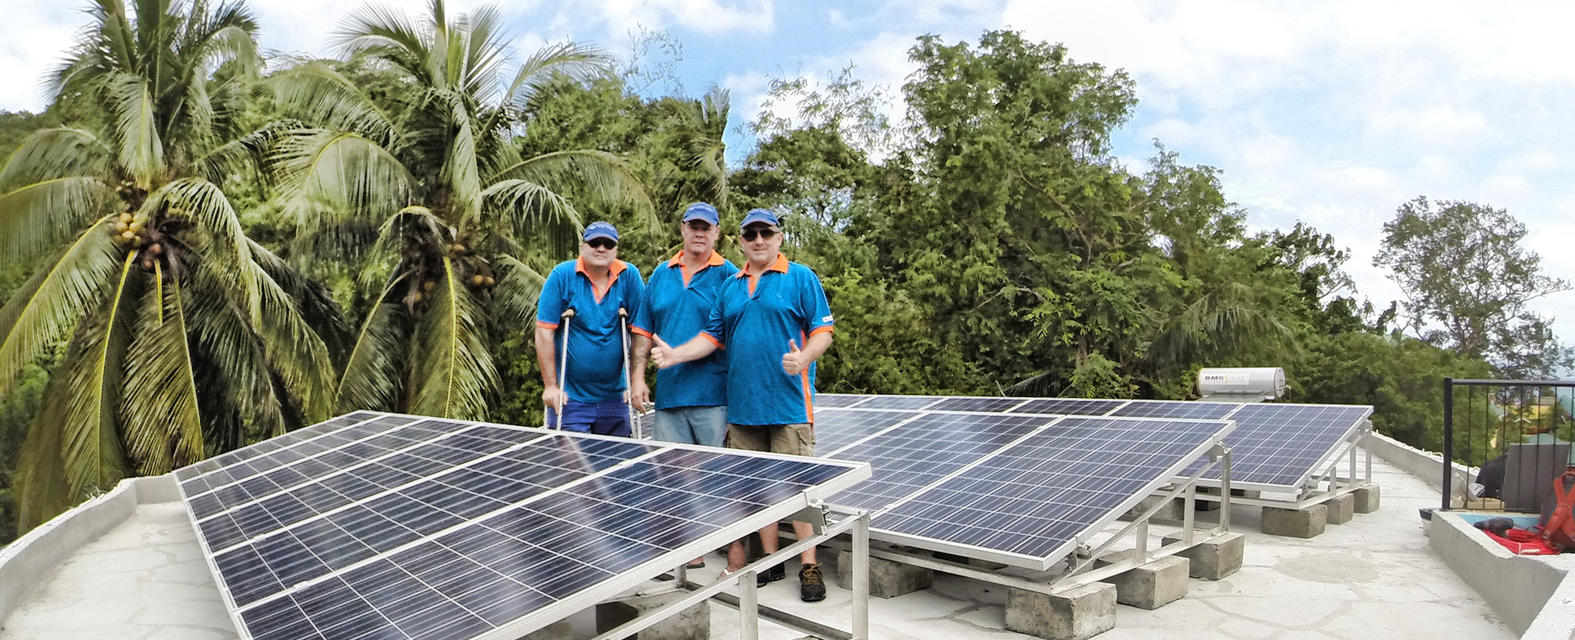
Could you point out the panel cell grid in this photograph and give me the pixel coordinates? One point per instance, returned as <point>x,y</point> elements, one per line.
<point>1035,497</point>
<point>838,428</point>
<point>1176,409</point>
<point>987,405</point>
<point>441,529</point>
<point>836,400</point>
<point>899,402</point>
<point>1279,444</point>
<point>1069,406</point>
<point>917,453</point>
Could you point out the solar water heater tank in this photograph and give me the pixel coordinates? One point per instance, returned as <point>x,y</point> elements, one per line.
<point>1241,384</point>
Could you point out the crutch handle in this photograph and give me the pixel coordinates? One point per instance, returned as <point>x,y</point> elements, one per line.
<point>568,313</point>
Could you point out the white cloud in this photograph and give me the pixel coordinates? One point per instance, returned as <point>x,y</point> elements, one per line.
<point>1438,124</point>
<point>710,17</point>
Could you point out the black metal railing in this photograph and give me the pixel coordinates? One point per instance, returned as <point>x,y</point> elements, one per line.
<point>1517,433</point>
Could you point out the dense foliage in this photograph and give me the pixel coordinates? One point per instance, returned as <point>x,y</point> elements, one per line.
<point>414,189</point>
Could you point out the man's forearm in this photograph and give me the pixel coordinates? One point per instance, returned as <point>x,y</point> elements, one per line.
<point>640,357</point>
<point>815,346</point>
<point>546,358</point>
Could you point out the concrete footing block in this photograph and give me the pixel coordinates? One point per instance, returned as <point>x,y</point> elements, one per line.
<point>690,624</point>
<point>888,579</point>
<point>1342,508</point>
<point>1073,614</point>
<point>1151,585</point>
<point>1366,499</point>
<point>1214,558</point>
<point>560,630</point>
<point>1295,523</point>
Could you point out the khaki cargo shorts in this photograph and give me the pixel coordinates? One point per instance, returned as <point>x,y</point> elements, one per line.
<point>792,439</point>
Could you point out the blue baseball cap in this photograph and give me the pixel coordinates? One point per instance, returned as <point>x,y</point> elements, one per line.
<point>760,215</point>
<point>702,211</point>
<point>600,230</point>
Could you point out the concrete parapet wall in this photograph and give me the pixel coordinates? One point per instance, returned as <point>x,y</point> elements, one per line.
<point>1424,465</point>
<point>28,561</point>
<point>1521,589</point>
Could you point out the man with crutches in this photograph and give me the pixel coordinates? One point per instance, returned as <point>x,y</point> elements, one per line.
<point>581,348</point>
<point>773,320</point>
<point>691,398</point>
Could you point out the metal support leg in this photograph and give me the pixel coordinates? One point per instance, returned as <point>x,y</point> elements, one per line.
<point>748,607</point>
<point>1188,505</point>
<point>1140,553</point>
<point>861,578</point>
<point>1225,490</point>
<point>1353,478</point>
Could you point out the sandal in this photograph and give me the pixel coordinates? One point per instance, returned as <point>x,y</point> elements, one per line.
<point>700,564</point>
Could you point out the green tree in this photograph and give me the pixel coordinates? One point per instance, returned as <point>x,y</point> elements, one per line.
<point>1461,267</point>
<point>144,265</point>
<point>463,219</point>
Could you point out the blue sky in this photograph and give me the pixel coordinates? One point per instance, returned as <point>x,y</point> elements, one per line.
<point>1332,113</point>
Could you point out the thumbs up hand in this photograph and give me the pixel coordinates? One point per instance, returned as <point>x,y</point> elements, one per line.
<point>793,361</point>
<point>661,353</point>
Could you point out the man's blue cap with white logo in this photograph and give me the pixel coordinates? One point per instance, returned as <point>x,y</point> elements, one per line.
<point>760,215</point>
<point>600,230</point>
<point>702,211</point>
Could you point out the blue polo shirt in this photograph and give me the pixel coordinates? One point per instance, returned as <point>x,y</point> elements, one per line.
<point>754,319</point>
<point>595,365</point>
<point>676,306</point>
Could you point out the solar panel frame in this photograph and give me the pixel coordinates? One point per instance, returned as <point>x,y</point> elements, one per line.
<point>1246,472</point>
<point>849,475</point>
<point>1161,477</point>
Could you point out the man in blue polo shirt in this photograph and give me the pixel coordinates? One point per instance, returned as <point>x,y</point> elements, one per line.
<point>595,286</point>
<point>773,321</point>
<point>691,398</point>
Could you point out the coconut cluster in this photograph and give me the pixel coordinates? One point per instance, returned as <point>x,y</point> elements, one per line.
<point>471,269</point>
<point>133,231</point>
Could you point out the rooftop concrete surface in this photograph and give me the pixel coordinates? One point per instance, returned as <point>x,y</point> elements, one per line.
<point>1373,577</point>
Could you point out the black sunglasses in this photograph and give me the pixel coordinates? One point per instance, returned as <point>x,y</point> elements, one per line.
<point>602,243</point>
<point>767,233</point>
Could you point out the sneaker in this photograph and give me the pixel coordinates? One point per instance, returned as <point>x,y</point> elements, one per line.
<point>811,586</point>
<point>771,575</point>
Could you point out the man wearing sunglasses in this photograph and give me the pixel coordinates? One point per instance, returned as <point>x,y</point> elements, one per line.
<point>773,322</point>
<point>595,286</point>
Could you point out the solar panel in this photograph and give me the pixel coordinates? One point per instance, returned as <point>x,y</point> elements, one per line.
<point>838,428</point>
<point>1068,406</point>
<point>1029,503</point>
<point>395,526</point>
<point>833,400</point>
<point>910,456</point>
<point>1280,445</point>
<point>988,405</point>
<point>1175,409</point>
<point>898,402</point>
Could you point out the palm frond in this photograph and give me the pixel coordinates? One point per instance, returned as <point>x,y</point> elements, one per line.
<point>602,175</point>
<point>459,168</point>
<point>245,154</point>
<point>294,350</point>
<point>40,480</point>
<point>325,98</point>
<point>141,152</point>
<point>519,286</point>
<point>535,215</point>
<point>343,171</point>
<point>580,62</point>
<point>234,366</point>
<point>387,34</point>
<point>93,367</point>
<point>35,217</point>
<point>163,426</point>
<point>56,152</point>
<point>374,370</point>
<point>455,373</point>
<point>484,51</point>
<point>45,308</point>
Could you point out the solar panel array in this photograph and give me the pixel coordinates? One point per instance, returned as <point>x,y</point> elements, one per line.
<point>1275,446</point>
<point>375,525</point>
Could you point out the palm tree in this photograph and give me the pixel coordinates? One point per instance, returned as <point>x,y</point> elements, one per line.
<point>145,272</point>
<point>462,219</point>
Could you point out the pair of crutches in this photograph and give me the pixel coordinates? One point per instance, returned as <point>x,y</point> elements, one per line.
<point>563,370</point>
